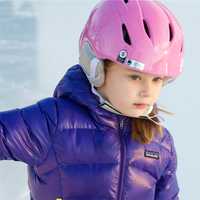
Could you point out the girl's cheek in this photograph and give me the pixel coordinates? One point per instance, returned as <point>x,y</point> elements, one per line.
<point>133,93</point>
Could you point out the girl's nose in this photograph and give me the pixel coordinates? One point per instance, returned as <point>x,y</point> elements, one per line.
<point>144,93</point>
<point>145,89</point>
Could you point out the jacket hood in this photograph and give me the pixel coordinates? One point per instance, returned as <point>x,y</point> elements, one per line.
<point>75,85</point>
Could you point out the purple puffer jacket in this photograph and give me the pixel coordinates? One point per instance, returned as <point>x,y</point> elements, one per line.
<point>76,150</point>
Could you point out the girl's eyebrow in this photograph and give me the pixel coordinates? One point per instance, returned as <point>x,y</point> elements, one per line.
<point>141,75</point>
<point>135,73</point>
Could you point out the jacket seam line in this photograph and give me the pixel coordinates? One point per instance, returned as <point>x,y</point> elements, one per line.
<point>59,171</point>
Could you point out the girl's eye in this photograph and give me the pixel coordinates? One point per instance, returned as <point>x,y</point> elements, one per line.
<point>135,77</point>
<point>158,79</point>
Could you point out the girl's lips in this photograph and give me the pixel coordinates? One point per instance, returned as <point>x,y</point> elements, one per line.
<point>140,105</point>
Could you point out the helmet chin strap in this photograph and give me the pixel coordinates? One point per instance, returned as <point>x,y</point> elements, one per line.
<point>146,115</point>
<point>148,110</point>
<point>151,117</point>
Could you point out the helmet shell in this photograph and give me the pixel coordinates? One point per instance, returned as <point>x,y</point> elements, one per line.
<point>142,35</point>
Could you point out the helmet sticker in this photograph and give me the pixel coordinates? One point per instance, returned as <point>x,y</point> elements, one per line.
<point>135,64</point>
<point>131,63</point>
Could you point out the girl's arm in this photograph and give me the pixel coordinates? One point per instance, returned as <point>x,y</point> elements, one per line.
<point>167,187</point>
<point>25,134</point>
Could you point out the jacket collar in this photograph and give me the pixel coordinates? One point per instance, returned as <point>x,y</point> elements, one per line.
<point>75,85</point>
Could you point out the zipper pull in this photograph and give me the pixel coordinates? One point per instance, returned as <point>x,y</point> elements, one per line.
<point>121,124</point>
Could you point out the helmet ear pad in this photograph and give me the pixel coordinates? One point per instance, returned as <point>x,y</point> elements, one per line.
<point>91,65</point>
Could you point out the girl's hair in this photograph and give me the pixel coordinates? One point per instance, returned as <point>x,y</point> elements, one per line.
<point>143,130</point>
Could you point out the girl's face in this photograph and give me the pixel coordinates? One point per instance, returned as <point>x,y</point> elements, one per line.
<point>124,88</point>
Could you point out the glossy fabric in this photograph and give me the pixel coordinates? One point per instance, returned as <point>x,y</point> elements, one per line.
<point>76,150</point>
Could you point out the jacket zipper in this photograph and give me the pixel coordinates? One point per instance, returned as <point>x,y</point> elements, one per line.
<point>123,159</point>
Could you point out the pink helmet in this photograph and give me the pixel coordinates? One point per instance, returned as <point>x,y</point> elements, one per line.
<point>142,35</point>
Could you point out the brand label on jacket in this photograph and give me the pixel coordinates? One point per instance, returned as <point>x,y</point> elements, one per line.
<point>151,154</point>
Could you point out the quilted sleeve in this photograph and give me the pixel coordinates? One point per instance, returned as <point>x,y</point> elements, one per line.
<point>167,187</point>
<point>25,134</point>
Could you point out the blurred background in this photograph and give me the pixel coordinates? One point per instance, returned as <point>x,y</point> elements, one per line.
<point>39,42</point>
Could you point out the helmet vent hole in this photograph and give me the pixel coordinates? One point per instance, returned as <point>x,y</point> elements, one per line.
<point>126,35</point>
<point>181,47</point>
<point>126,1</point>
<point>170,33</point>
<point>146,28</point>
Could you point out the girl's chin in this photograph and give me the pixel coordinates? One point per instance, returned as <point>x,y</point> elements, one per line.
<point>134,115</point>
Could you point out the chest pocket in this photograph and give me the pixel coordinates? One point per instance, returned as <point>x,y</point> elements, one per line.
<point>149,159</point>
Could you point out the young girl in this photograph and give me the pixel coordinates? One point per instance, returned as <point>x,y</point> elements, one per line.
<point>99,137</point>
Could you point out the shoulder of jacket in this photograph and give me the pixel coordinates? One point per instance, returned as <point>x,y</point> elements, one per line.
<point>49,107</point>
<point>72,115</point>
<point>166,140</point>
<point>52,105</point>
